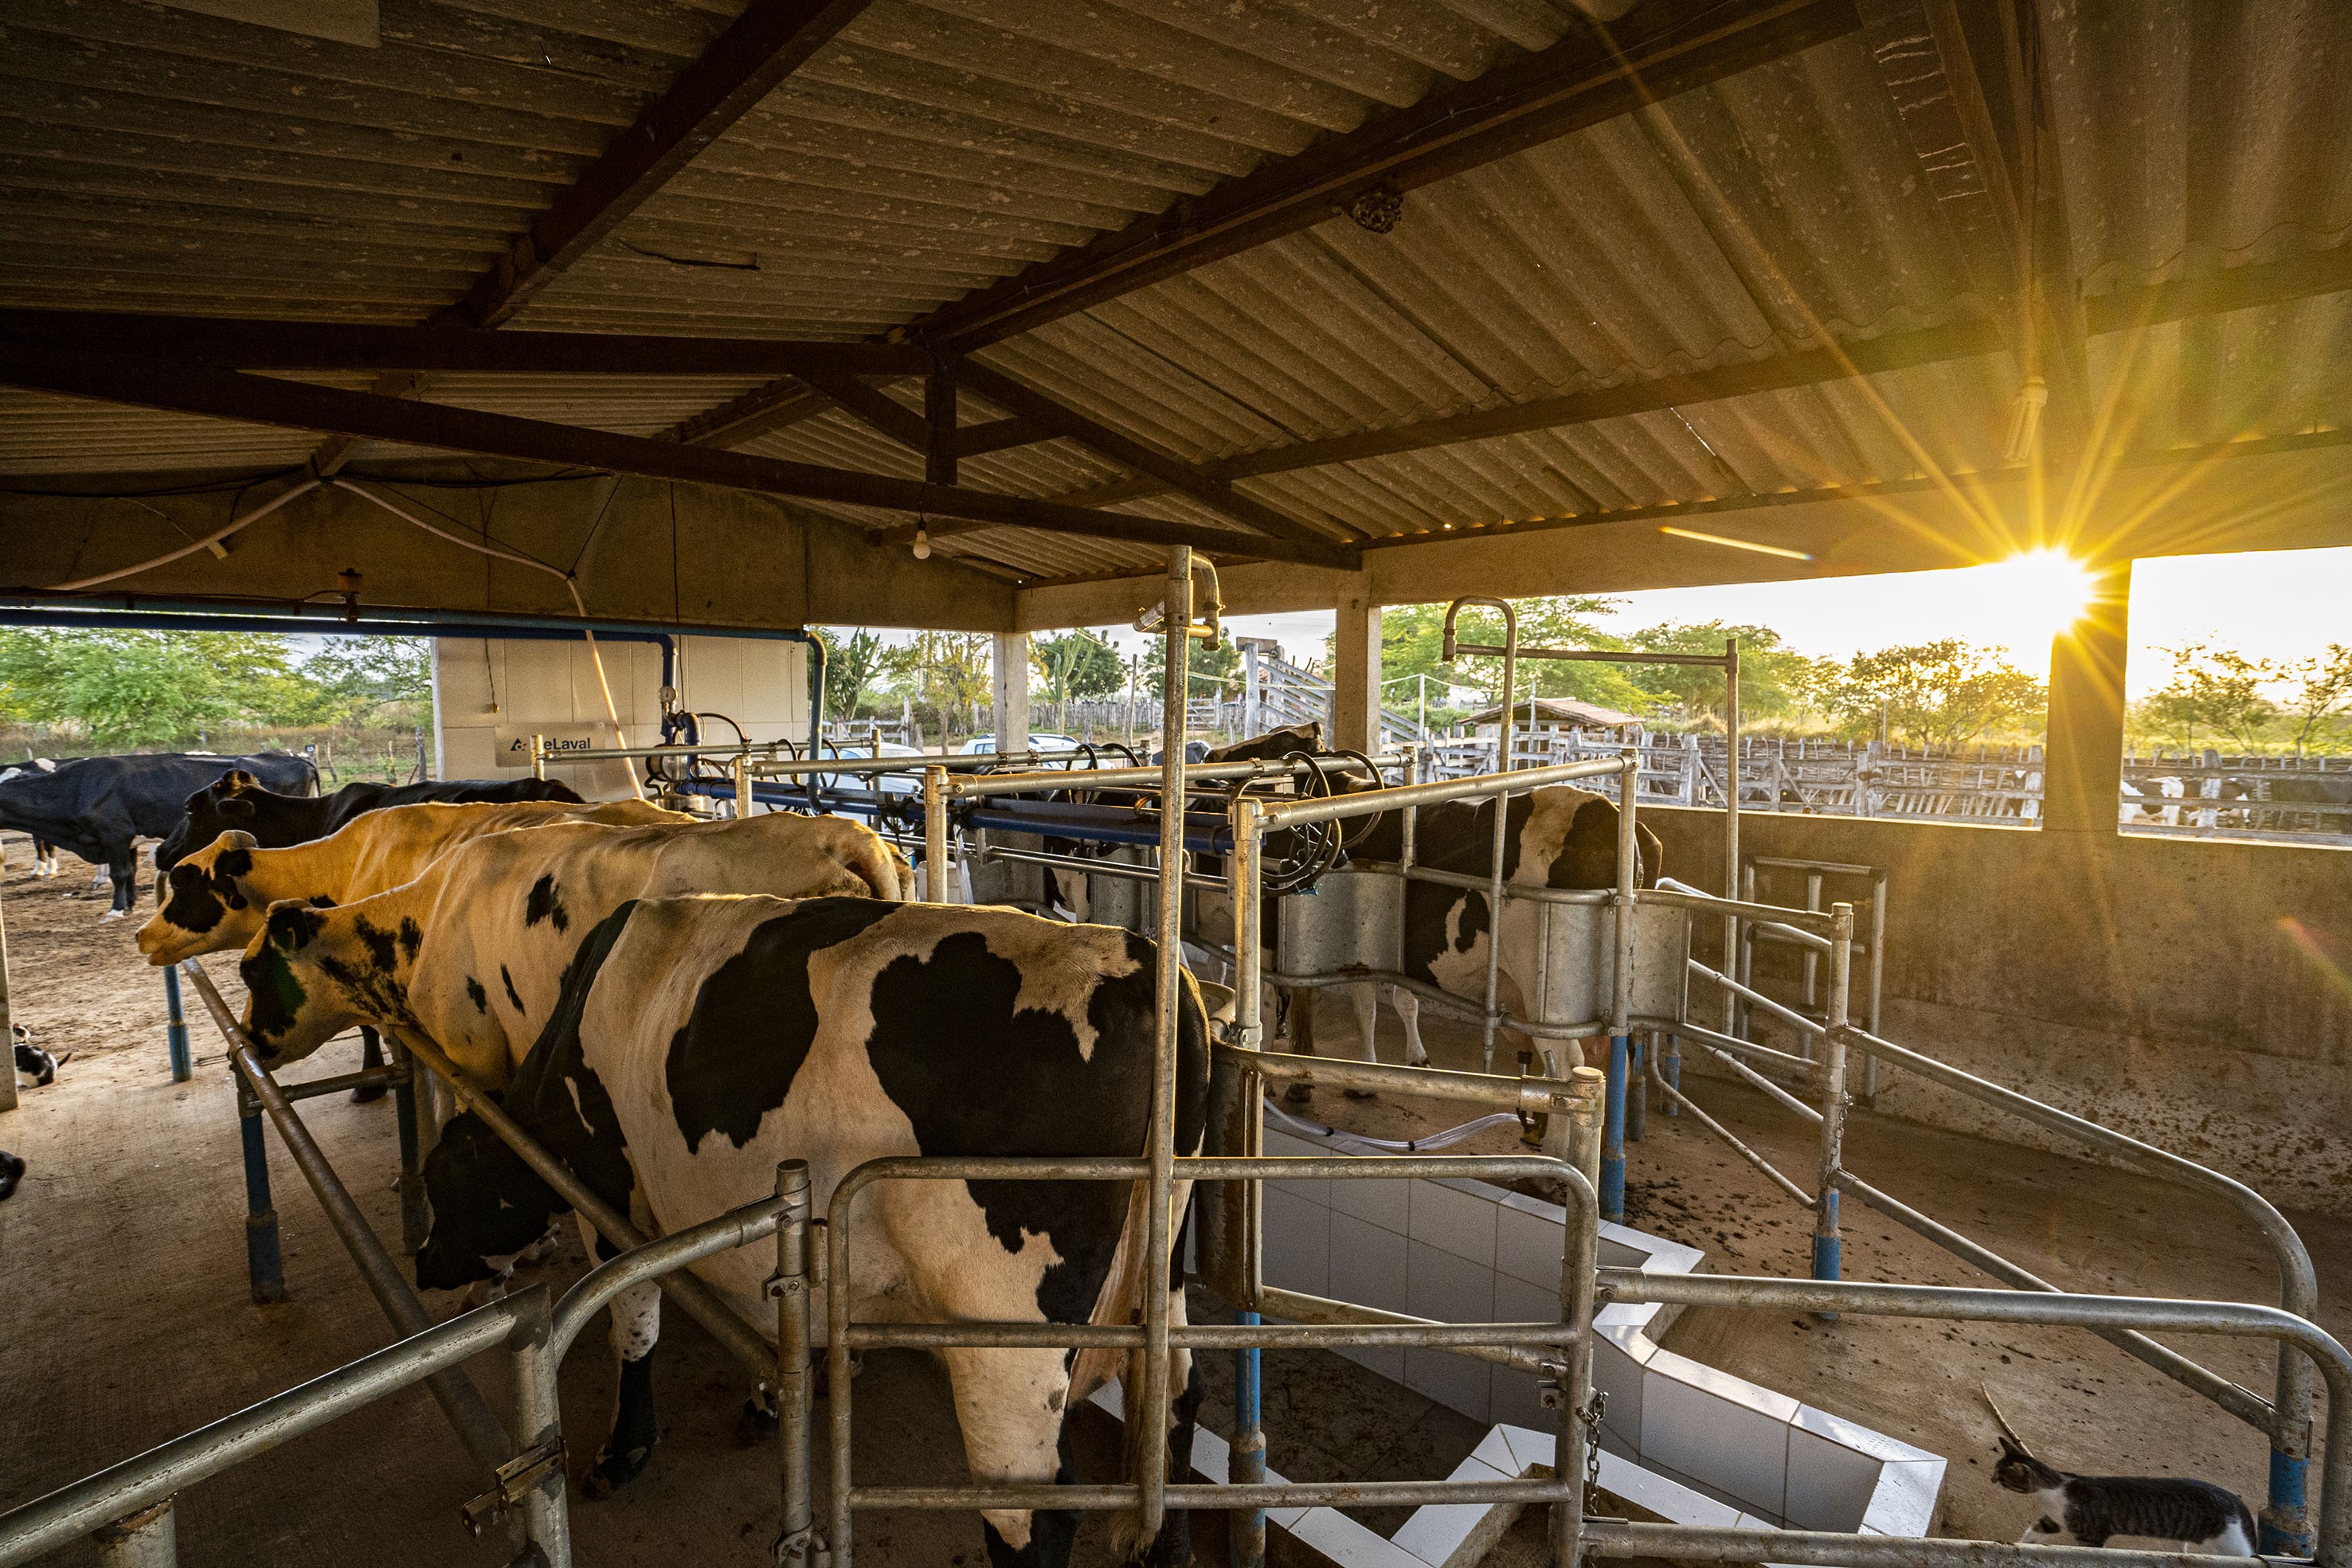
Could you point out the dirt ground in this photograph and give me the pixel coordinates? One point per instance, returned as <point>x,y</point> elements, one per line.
<point>129,1320</point>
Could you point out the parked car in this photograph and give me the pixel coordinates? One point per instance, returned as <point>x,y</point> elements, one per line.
<point>1045,743</point>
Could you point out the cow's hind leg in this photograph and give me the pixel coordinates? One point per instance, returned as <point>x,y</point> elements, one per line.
<point>122,870</point>
<point>636,1327</point>
<point>1011,1405</point>
<point>371,1055</point>
<point>1408,1007</point>
<point>1365,998</point>
<point>1300,1016</point>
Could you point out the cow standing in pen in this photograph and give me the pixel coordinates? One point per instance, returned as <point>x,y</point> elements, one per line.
<point>696,1042</point>
<point>101,806</point>
<point>238,802</point>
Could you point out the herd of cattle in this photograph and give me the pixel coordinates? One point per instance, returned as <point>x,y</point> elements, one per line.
<point>671,1006</point>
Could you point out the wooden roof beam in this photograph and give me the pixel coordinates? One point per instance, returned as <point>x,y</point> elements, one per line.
<point>187,388</point>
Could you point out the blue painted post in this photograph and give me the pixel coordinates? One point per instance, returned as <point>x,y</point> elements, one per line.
<point>263,1266</point>
<point>175,1027</point>
<point>1637,1089</point>
<point>1246,1464</point>
<point>2285,1529</point>
<point>1826,1242</point>
<point>1613,1131</point>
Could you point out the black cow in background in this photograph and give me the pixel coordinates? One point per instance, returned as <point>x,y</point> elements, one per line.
<point>238,801</point>
<point>44,854</point>
<point>101,806</point>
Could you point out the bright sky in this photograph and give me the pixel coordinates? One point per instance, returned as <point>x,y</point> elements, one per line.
<point>2275,604</point>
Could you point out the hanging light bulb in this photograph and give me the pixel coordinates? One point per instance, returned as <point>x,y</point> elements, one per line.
<point>922,543</point>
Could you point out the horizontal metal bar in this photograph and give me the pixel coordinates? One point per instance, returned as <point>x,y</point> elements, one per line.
<point>1294,1494</point>
<point>1775,1009</point>
<point>1804,1199</point>
<point>737,1227</point>
<point>1444,1001</point>
<point>1124,869</point>
<point>1530,1094</point>
<point>2242,1403</point>
<point>73,1512</point>
<point>1207,1336</point>
<point>1596,655</point>
<point>1208,1167</point>
<point>1684,895</point>
<point>1701,1034</point>
<point>1721,1543</point>
<point>312,1088</point>
<point>1477,786</point>
<point>1749,1075</point>
<point>1114,777</point>
<point>1322,1311</point>
<point>1831,868</point>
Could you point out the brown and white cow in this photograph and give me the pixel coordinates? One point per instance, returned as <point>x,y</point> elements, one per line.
<point>214,899</point>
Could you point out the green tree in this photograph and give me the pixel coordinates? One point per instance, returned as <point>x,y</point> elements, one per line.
<point>2321,686</point>
<point>1413,643</point>
<point>946,672</point>
<point>2218,691</point>
<point>126,688</point>
<point>1775,682</point>
<point>853,663</point>
<point>1077,664</point>
<point>1938,694</point>
<point>1216,672</point>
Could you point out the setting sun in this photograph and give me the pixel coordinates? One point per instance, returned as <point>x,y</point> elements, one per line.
<point>2042,591</point>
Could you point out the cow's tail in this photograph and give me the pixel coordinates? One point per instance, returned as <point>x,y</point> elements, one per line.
<point>1144,1434</point>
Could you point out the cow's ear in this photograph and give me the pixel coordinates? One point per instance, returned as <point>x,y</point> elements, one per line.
<point>242,810</point>
<point>238,780</point>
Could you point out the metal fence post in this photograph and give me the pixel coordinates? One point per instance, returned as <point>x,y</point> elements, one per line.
<point>539,1423</point>
<point>1611,1191</point>
<point>795,1543</point>
<point>1834,1095</point>
<point>148,1539</point>
<point>1245,1458</point>
<point>415,1220</point>
<point>1580,1421</point>
<point>263,1266</point>
<point>935,834</point>
<point>175,1027</point>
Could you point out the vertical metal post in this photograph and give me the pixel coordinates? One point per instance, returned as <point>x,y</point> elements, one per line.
<point>539,757</point>
<point>1637,1086</point>
<point>1578,1282</point>
<point>1612,1189</point>
<point>415,1220</point>
<point>1877,979</point>
<point>175,1028</point>
<point>265,1271</point>
<point>1834,1095</point>
<point>1730,822</point>
<point>1246,1463</point>
<point>1502,834</point>
<point>8,1033</point>
<point>539,1419</point>
<point>148,1539</point>
<point>742,769</point>
<point>795,1544</point>
<point>1176,629</point>
<point>935,834</point>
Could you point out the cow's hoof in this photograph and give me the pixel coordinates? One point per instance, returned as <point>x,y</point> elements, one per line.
<point>367,1093</point>
<point>116,915</point>
<point>755,1425</point>
<point>609,1472</point>
<point>1298,1094</point>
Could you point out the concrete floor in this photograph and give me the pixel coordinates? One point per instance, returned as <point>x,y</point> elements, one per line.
<point>129,1320</point>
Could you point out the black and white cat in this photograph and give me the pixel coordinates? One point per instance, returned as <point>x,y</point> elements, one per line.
<point>2086,1510</point>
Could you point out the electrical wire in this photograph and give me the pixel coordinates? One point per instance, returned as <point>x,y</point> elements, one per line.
<point>206,542</point>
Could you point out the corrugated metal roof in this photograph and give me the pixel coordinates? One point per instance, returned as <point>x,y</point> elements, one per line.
<point>155,159</point>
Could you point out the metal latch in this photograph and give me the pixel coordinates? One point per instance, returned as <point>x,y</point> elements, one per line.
<point>516,1479</point>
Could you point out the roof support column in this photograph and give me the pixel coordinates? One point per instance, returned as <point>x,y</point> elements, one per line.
<point>1011,683</point>
<point>2083,766</point>
<point>1356,675</point>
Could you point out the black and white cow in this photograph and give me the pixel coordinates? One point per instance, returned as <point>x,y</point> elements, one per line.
<point>238,802</point>
<point>101,806</point>
<point>1555,837</point>
<point>699,1041</point>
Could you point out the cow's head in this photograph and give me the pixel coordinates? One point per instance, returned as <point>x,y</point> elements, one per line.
<point>488,1205</point>
<point>230,794</point>
<point>313,973</point>
<point>203,904</point>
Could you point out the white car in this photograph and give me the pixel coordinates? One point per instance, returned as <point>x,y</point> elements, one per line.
<point>894,785</point>
<point>1043,742</point>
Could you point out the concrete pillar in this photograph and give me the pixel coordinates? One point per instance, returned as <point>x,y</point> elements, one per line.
<point>2083,766</point>
<point>1011,682</point>
<point>1356,677</point>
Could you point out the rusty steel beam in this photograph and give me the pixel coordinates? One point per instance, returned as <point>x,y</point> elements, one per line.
<point>267,400</point>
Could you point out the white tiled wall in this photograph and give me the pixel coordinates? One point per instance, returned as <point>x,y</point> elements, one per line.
<point>1466,1252</point>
